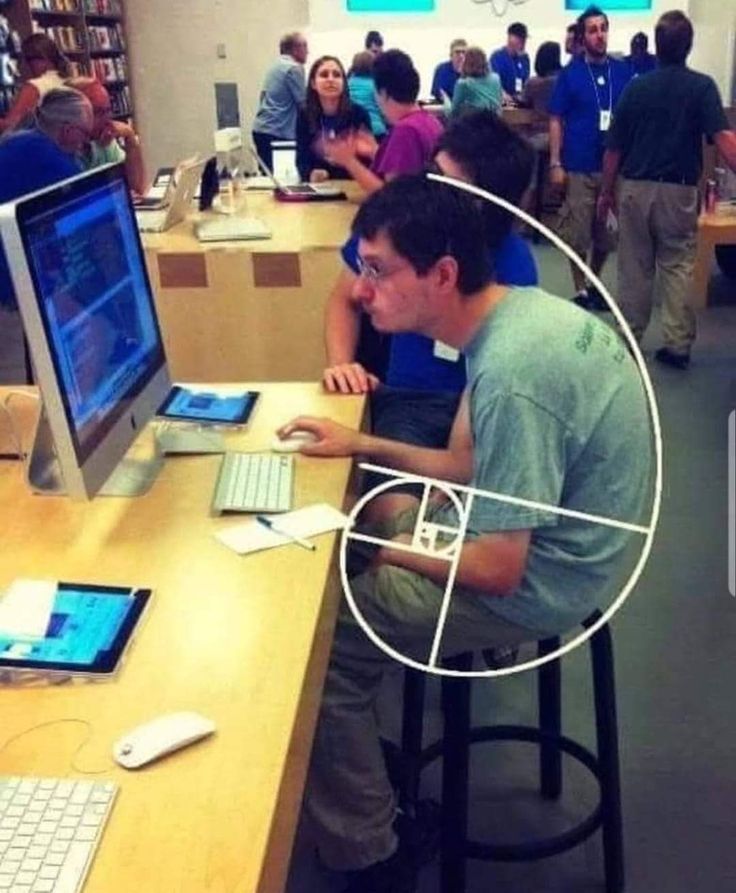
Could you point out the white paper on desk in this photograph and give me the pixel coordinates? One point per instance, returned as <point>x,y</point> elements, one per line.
<point>25,609</point>
<point>250,536</point>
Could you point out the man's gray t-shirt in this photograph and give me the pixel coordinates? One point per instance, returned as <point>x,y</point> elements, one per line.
<point>559,417</point>
<point>283,93</point>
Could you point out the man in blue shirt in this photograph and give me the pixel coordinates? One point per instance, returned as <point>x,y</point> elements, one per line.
<point>424,379</point>
<point>581,110</point>
<point>33,159</point>
<point>447,73</point>
<point>283,92</point>
<point>511,63</point>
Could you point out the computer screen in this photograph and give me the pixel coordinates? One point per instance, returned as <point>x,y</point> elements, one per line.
<point>81,275</point>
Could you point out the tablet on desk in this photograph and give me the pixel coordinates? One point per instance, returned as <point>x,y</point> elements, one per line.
<point>88,630</point>
<point>183,404</point>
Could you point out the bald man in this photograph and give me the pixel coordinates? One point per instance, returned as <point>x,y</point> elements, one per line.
<point>104,147</point>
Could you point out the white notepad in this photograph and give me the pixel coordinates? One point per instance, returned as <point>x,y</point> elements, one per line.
<point>250,536</point>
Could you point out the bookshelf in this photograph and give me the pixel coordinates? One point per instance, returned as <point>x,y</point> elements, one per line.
<point>90,33</point>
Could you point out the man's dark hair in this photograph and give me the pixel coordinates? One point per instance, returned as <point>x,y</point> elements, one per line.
<point>591,12</point>
<point>573,29</point>
<point>547,61</point>
<point>288,41</point>
<point>639,42</point>
<point>373,38</point>
<point>425,221</point>
<point>518,29</point>
<point>493,157</point>
<point>673,38</point>
<point>394,73</point>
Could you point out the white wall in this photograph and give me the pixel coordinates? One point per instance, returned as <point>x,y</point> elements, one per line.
<point>715,35</point>
<point>174,65</point>
<point>427,37</point>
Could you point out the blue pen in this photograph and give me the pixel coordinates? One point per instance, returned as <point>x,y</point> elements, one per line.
<point>267,522</point>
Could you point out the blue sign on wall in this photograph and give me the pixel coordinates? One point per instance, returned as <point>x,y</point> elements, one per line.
<point>390,5</point>
<point>611,5</point>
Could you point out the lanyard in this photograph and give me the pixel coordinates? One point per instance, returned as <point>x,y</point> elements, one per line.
<point>595,87</point>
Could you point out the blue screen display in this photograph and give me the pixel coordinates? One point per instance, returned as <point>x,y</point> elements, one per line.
<point>390,5</point>
<point>83,625</point>
<point>95,302</point>
<point>611,5</point>
<point>208,407</point>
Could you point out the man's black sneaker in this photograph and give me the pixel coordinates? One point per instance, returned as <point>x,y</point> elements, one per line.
<point>582,300</point>
<point>670,358</point>
<point>596,301</point>
<point>397,874</point>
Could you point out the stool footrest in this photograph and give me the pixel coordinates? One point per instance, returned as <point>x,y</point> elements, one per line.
<point>534,849</point>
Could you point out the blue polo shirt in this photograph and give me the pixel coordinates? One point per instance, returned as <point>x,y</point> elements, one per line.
<point>412,363</point>
<point>509,68</point>
<point>444,80</point>
<point>29,161</point>
<point>581,92</point>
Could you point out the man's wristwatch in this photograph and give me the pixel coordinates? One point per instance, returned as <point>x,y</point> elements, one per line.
<point>554,164</point>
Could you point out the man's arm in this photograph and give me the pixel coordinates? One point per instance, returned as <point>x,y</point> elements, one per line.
<point>450,464</point>
<point>342,329</point>
<point>725,141</point>
<point>492,564</point>
<point>557,172</point>
<point>296,84</point>
<point>134,168</point>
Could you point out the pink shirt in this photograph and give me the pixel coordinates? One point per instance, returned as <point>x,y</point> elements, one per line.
<point>409,146</point>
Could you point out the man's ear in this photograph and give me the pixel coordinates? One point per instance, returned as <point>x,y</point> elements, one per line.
<point>446,271</point>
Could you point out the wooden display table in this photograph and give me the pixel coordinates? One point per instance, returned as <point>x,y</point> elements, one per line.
<point>243,640</point>
<point>233,311</point>
<point>713,229</point>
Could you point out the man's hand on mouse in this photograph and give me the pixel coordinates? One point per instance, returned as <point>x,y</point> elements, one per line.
<point>332,439</point>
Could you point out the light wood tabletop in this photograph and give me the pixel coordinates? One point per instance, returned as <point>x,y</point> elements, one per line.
<point>713,229</point>
<point>243,640</point>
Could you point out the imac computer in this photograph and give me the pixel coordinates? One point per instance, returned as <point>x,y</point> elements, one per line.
<point>84,295</point>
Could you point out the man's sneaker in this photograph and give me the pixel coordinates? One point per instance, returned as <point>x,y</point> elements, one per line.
<point>670,358</point>
<point>596,301</point>
<point>397,874</point>
<point>419,841</point>
<point>582,299</point>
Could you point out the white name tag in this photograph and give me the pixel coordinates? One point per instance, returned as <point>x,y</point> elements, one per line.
<point>605,121</point>
<point>444,352</point>
<point>519,85</point>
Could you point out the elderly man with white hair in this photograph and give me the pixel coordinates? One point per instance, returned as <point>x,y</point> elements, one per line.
<point>36,158</point>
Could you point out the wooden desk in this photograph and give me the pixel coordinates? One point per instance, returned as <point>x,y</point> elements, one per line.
<point>512,115</point>
<point>237,311</point>
<point>242,639</point>
<point>713,229</point>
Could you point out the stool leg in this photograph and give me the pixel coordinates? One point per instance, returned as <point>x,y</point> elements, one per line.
<point>412,728</point>
<point>550,721</point>
<point>601,648</point>
<point>455,777</point>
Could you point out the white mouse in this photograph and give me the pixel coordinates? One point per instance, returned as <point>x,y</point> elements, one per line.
<point>160,736</point>
<point>293,443</point>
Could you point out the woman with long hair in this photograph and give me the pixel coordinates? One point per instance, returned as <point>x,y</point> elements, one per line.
<point>48,68</point>
<point>328,113</point>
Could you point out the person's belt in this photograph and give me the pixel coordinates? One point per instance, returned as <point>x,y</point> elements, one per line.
<point>676,181</point>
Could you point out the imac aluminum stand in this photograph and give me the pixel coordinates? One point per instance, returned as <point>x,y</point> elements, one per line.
<point>131,477</point>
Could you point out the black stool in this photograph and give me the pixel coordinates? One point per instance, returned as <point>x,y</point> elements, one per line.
<point>455,748</point>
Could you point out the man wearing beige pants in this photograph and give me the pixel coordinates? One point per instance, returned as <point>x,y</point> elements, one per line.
<point>656,143</point>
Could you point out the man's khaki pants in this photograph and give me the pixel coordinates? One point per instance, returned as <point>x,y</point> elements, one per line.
<point>657,233</point>
<point>349,801</point>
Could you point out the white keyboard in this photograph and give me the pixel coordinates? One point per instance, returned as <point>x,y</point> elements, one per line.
<point>254,482</point>
<point>49,832</point>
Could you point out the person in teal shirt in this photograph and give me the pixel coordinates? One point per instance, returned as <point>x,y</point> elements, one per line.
<point>478,87</point>
<point>362,91</point>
